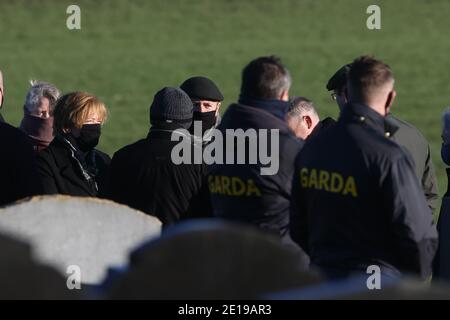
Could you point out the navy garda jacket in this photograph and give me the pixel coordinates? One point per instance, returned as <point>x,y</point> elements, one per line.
<point>357,201</point>
<point>239,192</point>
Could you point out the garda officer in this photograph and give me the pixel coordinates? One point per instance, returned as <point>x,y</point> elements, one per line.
<point>403,133</point>
<point>356,199</point>
<point>239,191</point>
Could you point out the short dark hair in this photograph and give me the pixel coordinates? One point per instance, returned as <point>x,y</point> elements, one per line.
<point>368,74</point>
<point>265,77</point>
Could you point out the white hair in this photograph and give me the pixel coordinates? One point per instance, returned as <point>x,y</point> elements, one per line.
<point>38,91</point>
<point>299,106</point>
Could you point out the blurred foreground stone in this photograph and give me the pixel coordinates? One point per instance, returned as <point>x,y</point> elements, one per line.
<point>210,259</point>
<point>91,234</point>
<point>22,278</point>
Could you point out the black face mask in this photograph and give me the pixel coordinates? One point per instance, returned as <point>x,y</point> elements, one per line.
<point>89,137</point>
<point>208,120</point>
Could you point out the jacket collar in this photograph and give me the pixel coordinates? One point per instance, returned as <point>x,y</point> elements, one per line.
<point>65,149</point>
<point>239,116</point>
<point>277,108</point>
<point>356,112</point>
<point>390,124</point>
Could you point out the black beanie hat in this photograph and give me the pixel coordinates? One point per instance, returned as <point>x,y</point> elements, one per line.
<point>202,88</point>
<point>171,105</point>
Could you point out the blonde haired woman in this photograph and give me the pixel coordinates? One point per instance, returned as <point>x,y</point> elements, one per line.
<point>71,165</point>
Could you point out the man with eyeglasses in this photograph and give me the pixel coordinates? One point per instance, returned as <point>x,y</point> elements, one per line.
<point>356,200</point>
<point>400,131</point>
<point>337,84</point>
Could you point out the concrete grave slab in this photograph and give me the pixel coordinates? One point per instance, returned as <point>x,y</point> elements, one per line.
<point>92,234</point>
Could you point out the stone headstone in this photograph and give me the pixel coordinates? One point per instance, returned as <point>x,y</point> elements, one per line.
<point>207,259</point>
<point>69,232</point>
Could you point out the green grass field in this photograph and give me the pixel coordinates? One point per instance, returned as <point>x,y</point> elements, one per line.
<point>127,50</point>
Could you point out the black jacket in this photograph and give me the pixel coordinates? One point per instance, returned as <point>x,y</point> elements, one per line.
<point>144,177</point>
<point>239,192</point>
<point>64,170</point>
<point>17,166</point>
<point>322,126</point>
<point>357,200</point>
<point>409,137</point>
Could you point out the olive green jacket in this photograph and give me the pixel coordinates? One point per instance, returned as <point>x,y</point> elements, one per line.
<point>412,140</point>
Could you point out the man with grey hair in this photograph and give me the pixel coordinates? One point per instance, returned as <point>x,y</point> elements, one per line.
<point>302,117</point>
<point>37,122</point>
<point>304,120</point>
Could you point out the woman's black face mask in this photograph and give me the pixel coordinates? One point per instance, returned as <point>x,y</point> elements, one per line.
<point>89,137</point>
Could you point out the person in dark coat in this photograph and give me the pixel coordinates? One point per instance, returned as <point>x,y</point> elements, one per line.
<point>401,132</point>
<point>247,192</point>
<point>71,165</point>
<point>357,201</point>
<point>18,169</point>
<point>146,176</point>
<point>441,268</point>
<point>304,120</point>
